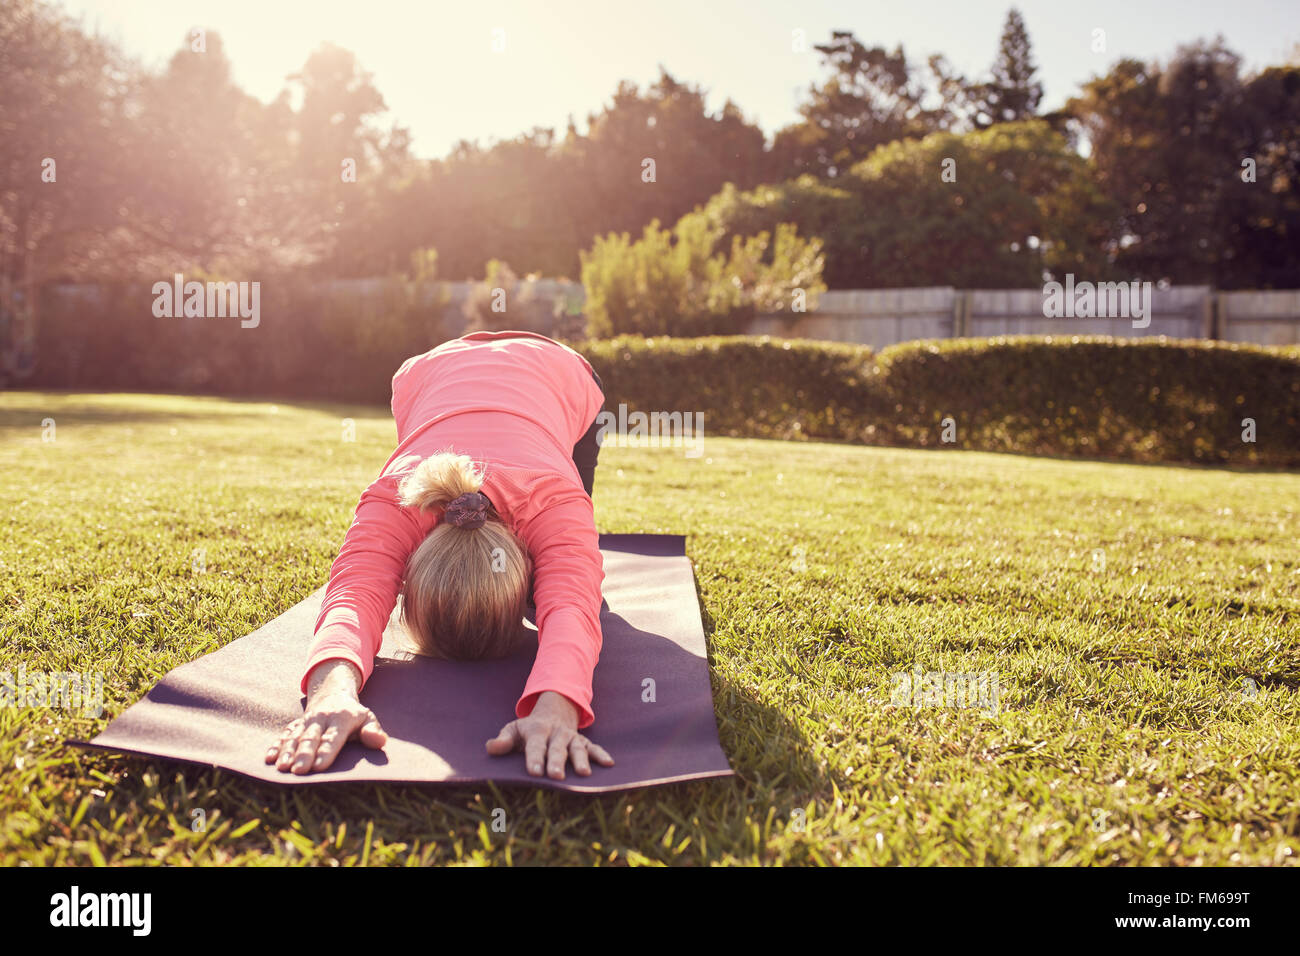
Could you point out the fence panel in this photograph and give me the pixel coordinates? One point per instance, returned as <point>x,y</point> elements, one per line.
<point>1266,318</point>
<point>874,317</point>
<point>1181,312</point>
<point>880,317</point>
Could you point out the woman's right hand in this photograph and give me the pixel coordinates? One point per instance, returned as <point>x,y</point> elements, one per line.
<point>333,716</point>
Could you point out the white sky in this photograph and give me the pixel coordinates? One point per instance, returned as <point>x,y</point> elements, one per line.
<point>434,64</point>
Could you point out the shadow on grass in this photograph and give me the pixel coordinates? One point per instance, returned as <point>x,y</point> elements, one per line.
<point>1237,468</point>
<point>23,418</point>
<point>214,408</point>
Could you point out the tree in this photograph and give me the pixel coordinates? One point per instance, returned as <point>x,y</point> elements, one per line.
<point>692,151</point>
<point>64,107</point>
<point>1259,209</point>
<point>345,167</point>
<point>1168,146</point>
<point>872,97</point>
<point>538,199</point>
<point>1012,94</point>
<point>1018,202</point>
<point>198,175</point>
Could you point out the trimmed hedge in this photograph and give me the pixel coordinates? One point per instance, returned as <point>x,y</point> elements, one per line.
<point>1135,399</point>
<point>1146,400</point>
<point>744,386</point>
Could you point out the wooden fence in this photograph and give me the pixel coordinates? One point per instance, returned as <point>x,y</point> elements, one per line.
<point>1267,318</point>
<point>882,317</point>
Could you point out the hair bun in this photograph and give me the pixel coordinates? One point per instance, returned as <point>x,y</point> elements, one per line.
<point>467,511</point>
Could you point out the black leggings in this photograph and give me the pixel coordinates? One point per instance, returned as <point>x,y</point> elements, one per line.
<point>585,452</point>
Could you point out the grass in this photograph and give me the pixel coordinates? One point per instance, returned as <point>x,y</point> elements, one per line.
<point>1141,622</point>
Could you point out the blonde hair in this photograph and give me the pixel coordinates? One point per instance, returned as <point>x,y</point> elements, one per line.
<point>465,588</point>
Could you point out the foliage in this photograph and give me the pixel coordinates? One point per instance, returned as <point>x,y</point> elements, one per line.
<point>678,282</point>
<point>1018,202</point>
<point>1171,146</point>
<point>1134,399</point>
<point>145,194</point>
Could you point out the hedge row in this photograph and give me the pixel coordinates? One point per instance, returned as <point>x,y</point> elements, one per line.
<point>1134,399</point>
<point>1146,400</point>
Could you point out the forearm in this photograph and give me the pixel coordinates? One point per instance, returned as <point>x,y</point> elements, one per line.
<point>566,660</point>
<point>568,572</point>
<point>553,699</point>
<point>335,676</point>
<point>365,580</point>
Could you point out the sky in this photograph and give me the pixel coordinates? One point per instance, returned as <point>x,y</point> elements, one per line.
<point>436,66</point>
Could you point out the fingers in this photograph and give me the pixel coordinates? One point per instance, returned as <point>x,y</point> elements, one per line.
<point>297,746</point>
<point>287,738</point>
<point>548,749</point>
<point>301,759</point>
<point>327,750</point>
<point>600,753</point>
<point>373,735</point>
<point>537,750</point>
<point>578,754</point>
<point>534,750</point>
<point>580,748</point>
<point>557,754</point>
<point>506,741</point>
<point>309,744</point>
<point>577,749</point>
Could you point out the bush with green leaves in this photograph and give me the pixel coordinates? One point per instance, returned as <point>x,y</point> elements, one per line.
<point>679,282</point>
<point>1095,396</point>
<point>1145,400</point>
<point>745,386</point>
<point>988,209</point>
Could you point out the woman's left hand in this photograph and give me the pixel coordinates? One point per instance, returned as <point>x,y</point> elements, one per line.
<point>550,735</point>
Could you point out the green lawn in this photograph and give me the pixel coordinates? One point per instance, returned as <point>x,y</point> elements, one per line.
<point>1143,624</point>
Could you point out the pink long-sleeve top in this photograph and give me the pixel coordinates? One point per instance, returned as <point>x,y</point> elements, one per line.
<point>516,403</point>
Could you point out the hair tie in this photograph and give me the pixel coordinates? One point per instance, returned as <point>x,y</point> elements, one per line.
<point>467,511</point>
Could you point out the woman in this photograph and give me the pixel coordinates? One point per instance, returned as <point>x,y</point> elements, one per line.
<point>463,543</point>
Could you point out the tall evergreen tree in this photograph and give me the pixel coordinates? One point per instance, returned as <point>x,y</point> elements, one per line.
<point>1013,93</point>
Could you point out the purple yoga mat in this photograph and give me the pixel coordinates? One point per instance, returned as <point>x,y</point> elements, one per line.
<point>225,709</point>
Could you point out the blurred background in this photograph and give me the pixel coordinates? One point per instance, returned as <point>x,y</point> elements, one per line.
<point>807,170</point>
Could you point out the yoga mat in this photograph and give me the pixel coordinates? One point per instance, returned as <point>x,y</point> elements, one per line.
<point>226,708</point>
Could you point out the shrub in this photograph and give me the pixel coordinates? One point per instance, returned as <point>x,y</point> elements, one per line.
<point>1147,400</point>
<point>677,282</point>
<point>1137,399</point>
<point>745,387</point>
